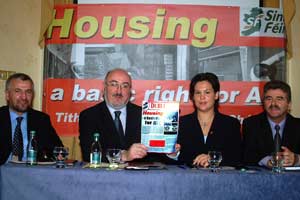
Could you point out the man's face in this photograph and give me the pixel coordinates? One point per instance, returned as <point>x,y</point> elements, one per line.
<point>19,95</point>
<point>276,104</point>
<point>117,89</point>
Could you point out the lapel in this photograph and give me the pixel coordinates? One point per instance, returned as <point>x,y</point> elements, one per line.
<point>132,117</point>
<point>6,125</point>
<point>104,117</point>
<point>198,130</point>
<point>287,130</point>
<point>267,137</point>
<point>212,137</point>
<point>128,119</point>
<point>30,122</point>
<point>106,125</point>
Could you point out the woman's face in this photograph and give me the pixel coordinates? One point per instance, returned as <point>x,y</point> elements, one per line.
<point>204,96</point>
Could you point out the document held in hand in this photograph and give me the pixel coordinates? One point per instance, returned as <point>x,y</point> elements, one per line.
<point>160,123</point>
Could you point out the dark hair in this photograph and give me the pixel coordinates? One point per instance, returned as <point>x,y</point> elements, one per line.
<point>277,84</point>
<point>21,76</point>
<point>209,77</point>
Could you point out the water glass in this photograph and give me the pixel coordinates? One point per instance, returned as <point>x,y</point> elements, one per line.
<point>114,158</point>
<point>214,160</point>
<point>277,162</point>
<point>61,155</point>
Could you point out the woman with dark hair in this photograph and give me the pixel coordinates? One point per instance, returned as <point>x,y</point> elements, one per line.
<point>206,129</point>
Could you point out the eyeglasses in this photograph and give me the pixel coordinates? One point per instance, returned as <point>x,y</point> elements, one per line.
<point>115,84</point>
<point>277,99</point>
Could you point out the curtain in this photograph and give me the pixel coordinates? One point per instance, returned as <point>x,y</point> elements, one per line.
<point>47,15</point>
<point>288,12</point>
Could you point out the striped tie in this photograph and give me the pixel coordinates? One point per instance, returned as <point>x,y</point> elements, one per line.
<point>17,149</point>
<point>119,128</point>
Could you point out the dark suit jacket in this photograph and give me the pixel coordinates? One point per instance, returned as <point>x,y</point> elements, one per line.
<point>46,136</point>
<point>97,119</point>
<point>258,140</point>
<point>224,136</point>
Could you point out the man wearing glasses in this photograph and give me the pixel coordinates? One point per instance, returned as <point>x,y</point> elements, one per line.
<point>260,131</point>
<point>116,119</point>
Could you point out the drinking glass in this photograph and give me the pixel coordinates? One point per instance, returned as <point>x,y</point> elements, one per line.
<point>277,162</point>
<point>114,158</point>
<point>60,154</point>
<point>214,160</point>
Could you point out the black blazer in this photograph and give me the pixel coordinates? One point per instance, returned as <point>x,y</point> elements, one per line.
<point>258,140</point>
<point>38,121</point>
<point>97,119</point>
<point>224,136</point>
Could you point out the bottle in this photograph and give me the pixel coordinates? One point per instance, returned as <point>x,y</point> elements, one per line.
<point>96,152</point>
<point>32,150</point>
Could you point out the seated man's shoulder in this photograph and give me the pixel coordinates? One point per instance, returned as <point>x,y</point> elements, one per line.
<point>3,109</point>
<point>37,113</point>
<point>134,107</point>
<point>92,109</point>
<point>254,118</point>
<point>293,119</point>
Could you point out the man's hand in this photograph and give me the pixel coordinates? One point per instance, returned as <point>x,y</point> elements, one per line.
<point>290,158</point>
<point>136,151</point>
<point>201,160</point>
<point>175,154</point>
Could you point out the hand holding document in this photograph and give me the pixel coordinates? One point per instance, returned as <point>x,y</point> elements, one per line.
<point>160,122</point>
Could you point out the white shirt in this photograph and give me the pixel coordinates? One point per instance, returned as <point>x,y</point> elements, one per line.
<point>122,115</point>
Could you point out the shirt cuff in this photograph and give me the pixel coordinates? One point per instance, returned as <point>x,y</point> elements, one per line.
<point>264,161</point>
<point>175,157</point>
<point>297,160</point>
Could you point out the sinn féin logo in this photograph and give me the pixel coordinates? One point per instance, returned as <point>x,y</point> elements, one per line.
<point>262,22</point>
<point>252,21</point>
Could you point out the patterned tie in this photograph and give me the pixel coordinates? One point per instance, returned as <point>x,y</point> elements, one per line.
<point>277,139</point>
<point>17,149</point>
<point>119,128</point>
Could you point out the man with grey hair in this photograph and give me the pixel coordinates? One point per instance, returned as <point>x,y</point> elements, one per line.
<point>18,118</point>
<point>101,119</point>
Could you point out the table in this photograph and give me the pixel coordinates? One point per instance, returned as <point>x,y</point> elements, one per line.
<point>46,182</point>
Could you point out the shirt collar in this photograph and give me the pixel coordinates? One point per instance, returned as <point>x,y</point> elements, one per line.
<point>14,115</point>
<point>112,110</point>
<point>273,124</point>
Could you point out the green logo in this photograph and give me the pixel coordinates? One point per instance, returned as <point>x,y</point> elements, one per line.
<point>253,21</point>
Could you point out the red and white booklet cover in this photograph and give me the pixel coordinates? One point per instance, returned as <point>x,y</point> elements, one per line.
<point>159,128</point>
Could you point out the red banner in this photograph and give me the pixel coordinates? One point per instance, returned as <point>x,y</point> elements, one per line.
<point>162,47</point>
<point>196,25</point>
<point>66,98</point>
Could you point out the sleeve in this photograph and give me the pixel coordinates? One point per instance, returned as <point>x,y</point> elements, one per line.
<point>47,137</point>
<point>233,152</point>
<point>85,135</point>
<point>53,135</point>
<point>249,145</point>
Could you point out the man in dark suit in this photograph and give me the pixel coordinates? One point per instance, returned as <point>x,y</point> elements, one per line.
<point>19,93</point>
<point>100,119</point>
<point>259,130</point>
